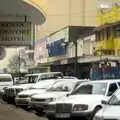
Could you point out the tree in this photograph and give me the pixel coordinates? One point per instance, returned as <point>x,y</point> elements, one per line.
<point>15,64</point>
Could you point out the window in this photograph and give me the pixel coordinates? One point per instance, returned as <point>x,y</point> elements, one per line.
<point>5,79</point>
<point>112,88</point>
<point>91,88</point>
<point>118,83</point>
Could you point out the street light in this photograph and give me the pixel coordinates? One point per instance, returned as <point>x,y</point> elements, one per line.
<point>76,58</point>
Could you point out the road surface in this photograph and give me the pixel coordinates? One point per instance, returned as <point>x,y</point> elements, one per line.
<point>10,112</point>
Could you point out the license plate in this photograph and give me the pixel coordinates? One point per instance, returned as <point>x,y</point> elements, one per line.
<point>62,115</point>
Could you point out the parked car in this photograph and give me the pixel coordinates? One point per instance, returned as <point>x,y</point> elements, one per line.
<point>6,80</point>
<point>85,101</point>
<point>111,109</point>
<point>69,77</point>
<point>11,92</point>
<point>58,90</point>
<point>23,98</point>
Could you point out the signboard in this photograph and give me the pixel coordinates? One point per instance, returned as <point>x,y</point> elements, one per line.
<point>41,52</point>
<point>15,33</point>
<point>105,73</point>
<point>57,48</point>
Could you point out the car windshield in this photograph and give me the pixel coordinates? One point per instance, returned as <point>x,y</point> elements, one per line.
<point>43,84</point>
<point>50,76</point>
<point>31,79</point>
<point>91,88</point>
<point>22,81</point>
<point>5,79</point>
<point>62,86</point>
<point>115,99</point>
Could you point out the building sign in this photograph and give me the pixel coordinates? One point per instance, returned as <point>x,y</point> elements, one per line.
<point>15,33</point>
<point>57,48</point>
<point>41,52</point>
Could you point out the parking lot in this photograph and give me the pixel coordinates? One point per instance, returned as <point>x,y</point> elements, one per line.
<point>11,112</point>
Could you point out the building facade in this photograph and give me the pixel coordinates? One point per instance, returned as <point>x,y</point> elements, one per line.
<point>62,13</point>
<point>60,49</point>
<point>108,32</point>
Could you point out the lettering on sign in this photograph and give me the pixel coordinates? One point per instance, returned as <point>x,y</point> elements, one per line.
<point>15,32</point>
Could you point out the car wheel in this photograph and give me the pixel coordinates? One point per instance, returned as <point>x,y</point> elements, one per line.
<point>51,118</point>
<point>39,111</point>
<point>94,112</point>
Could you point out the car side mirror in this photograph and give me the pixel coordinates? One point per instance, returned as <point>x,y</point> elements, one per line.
<point>104,102</point>
<point>68,95</point>
<point>110,93</point>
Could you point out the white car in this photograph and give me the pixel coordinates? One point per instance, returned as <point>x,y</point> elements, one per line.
<point>11,92</point>
<point>85,101</point>
<point>23,98</point>
<point>6,80</point>
<point>111,109</point>
<point>59,89</point>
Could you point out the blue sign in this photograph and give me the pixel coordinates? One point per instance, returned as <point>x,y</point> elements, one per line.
<point>56,48</point>
<point>105,73</point>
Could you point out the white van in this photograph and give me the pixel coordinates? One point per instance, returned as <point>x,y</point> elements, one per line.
<point>6,80</point>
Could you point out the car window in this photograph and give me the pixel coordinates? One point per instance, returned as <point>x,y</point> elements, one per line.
<point>118,83</point>
<point>112,88</point>
<point>5,79</point>
<point>62,86</point>
<point>50,76</point>
<point>31,79</point>
<point>77,84</point>
<point>91,88</point>
<point>115,99</point>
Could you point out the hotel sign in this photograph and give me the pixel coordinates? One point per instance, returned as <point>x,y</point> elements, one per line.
<point>15,33</point>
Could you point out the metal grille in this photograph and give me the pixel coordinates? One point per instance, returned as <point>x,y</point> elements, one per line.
<point>23,96</point>
<point>22,102</point>
<point>38,100</point>
<point>63,108</point>
<point>10,91</point>
<point>17,91</point>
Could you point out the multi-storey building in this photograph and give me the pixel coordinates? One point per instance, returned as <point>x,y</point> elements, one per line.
<point>60,52</point>
<point>108,32</point>
<point>61,13</point>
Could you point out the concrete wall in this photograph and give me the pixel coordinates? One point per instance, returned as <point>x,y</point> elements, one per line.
<point>85,47</point>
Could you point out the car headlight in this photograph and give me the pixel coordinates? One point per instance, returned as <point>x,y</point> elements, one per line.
<point>80,107</point>
<point>49,100</point>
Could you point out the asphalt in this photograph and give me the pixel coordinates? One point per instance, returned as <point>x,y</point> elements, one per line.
<point>11,112</point>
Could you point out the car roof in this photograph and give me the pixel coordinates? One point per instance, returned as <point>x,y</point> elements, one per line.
<point>52,80</point>
<point>5,75</point>
<point>43,73</point>
<point>103,81</point>
<point>73,80</point>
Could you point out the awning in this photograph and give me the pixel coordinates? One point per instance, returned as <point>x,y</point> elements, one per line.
<point>106,26</point>
<point>18,9</point>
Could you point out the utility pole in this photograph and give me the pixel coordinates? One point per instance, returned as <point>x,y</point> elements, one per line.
<point>18,51</point>
<point>76,58</point>
<point>19,60</point>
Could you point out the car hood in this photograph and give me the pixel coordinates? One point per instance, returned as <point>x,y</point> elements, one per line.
<point>110,112</point>
<point>50,95</point>
<point>81,99</point>
<point>32,91</point>
<point>22,86</point>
